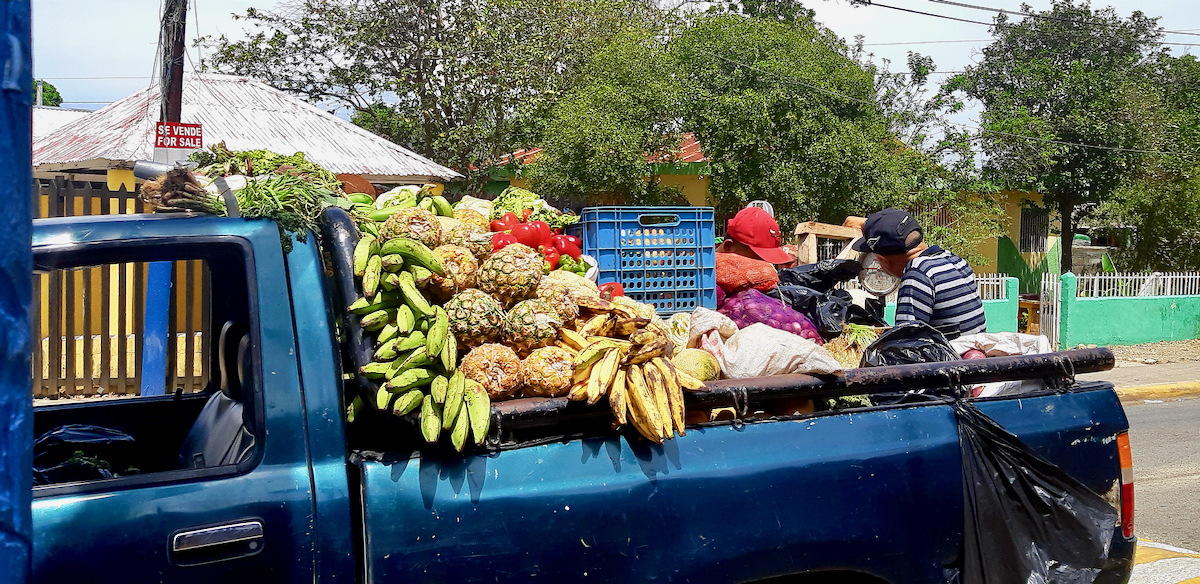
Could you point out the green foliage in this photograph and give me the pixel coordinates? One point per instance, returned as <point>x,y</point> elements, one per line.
<point>461,82</point>
<point>785,111</point>
<point>789,117</point>
<point>599,134</point>
<point>1158,208</point>
<point>1044,81</point>
<point>50,95</point>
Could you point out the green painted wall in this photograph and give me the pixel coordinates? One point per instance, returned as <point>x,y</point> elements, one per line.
<point>1010,261</point>
<point>1125,321</point>
<point>1001,314</point>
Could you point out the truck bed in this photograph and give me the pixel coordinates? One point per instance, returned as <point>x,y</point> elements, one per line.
<point>876,491</point>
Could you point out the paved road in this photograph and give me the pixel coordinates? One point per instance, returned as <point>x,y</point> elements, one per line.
<point>1165,439</point>
<point>1127,374</point>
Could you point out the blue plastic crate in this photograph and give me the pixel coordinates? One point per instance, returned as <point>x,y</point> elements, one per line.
<point>663,256</point>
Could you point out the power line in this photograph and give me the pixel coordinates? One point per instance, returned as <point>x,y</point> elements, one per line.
<point>1043,16</point>
<point>928,42</point>
<point>969,21</point>
<point>88,78</point>
<point>967,126</point>
<point>930,14</point>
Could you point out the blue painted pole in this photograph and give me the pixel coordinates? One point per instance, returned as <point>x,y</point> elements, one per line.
<point>16,268</point>
<point>155,343</point>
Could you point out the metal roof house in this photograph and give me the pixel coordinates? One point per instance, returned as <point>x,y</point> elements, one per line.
<point>244,113</point>
<point>47,119</point>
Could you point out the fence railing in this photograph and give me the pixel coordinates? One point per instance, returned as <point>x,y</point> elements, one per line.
<point>89,323</point>
<point>991,287</point>
<point>1138,284</point>
<point>1049,301</point>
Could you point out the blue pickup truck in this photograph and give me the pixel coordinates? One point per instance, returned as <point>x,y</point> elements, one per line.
<point>259,477</point>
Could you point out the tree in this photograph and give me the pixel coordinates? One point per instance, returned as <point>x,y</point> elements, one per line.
<point>623,108</point>
<point>1159,207</point>
<point>50,95</point>
<point>1067,103</point>
<point>784,111</point>
<point>461,82</point>
<point>787,116</point>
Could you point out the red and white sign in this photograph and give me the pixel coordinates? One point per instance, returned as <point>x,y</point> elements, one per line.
<point>176,135</point>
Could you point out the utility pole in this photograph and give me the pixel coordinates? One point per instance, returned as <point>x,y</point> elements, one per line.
<point>39,94</point>
<point>170,43</point>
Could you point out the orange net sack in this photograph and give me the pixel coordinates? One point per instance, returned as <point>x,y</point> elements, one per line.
<point>736,273</point>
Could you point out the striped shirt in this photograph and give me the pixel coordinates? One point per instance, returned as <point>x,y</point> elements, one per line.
<point>939,288</point>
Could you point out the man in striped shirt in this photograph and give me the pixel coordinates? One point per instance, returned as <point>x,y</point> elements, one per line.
<point>936,286</point>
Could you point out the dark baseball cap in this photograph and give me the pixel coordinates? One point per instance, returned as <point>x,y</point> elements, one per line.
<point>885,233</point>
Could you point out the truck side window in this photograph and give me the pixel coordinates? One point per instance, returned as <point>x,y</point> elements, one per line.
<point>143,362</point>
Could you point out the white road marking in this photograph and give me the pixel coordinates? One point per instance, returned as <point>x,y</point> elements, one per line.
<point>1163,546</point>
<point>1166,571</point>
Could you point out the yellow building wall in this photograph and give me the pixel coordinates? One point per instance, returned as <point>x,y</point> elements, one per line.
<point>693,186</point>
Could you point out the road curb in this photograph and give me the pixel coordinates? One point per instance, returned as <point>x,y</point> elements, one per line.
<point>1160,391</point>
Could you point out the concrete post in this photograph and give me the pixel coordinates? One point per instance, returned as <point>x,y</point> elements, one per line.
<point>16,268</point>
<point>1066,303</point>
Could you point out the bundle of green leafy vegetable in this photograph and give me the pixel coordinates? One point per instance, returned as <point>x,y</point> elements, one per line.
<point>516,200</point>
<point>220,161</point>
<point>293,196</point>
<point>292,201</point>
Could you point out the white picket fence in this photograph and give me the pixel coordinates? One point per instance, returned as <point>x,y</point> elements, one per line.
<point>1048,307</point>
<point>991,286</point>
<point>1117,285</point>
<point>1112,285</point>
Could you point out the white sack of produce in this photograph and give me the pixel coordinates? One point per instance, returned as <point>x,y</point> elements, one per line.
<point>1004,345</point>
<point>758,350</point>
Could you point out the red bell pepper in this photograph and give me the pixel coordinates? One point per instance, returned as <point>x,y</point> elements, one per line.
<point>575,240</point>
<point>505,222</point>
<point>501,240</point>
<point>525,213</point>
<point>552,256</point>
<point>527,234</point>
<point>564,246</point>
<point>611,290</point>
<point>543,231</point>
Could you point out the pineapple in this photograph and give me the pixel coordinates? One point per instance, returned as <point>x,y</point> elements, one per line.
<point>460,268</point>
<point>496,367</point>
<point>472,217</point>
<point>447,223</point>
<point>470,237</point>
<point>413,223</point>
<point>475,318</point>
<point>511,274</point>
<point>531,324</point>
<point>558,296</point>
<point>547,372</point>
<point>581,288</point>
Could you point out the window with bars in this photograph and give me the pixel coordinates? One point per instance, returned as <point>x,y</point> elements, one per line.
<point>1035,228</point>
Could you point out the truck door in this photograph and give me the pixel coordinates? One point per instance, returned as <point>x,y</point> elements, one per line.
<point>167,405</point>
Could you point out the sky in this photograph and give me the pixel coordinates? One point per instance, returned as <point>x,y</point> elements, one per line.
<point>102,50</point>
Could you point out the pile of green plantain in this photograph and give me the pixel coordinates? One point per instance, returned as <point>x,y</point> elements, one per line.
<point>415,355</point>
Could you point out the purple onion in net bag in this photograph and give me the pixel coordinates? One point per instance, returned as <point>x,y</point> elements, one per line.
<point>751,307</point>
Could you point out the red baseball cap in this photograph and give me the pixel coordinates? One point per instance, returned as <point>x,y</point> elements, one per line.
<point>758,230</point>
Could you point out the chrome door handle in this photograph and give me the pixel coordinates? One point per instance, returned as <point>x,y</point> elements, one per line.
<point>197,539</point>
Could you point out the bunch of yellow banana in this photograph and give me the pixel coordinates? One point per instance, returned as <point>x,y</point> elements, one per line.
<point>642,387</point>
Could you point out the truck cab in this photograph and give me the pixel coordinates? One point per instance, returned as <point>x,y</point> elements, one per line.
<point>240,465</point>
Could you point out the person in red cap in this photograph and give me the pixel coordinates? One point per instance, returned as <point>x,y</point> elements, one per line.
<point>754,233</point>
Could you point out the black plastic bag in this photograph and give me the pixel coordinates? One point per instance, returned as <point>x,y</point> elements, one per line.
<point>829,312</point>
<point>80,452</point>
<point>821,276</point>
<point>906,343</point>
<point>1026,519</point>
